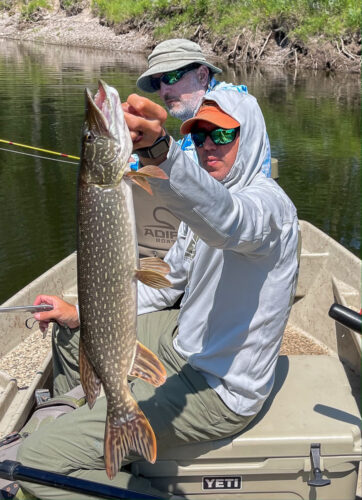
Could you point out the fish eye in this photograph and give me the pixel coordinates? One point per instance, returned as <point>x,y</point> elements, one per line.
<point>89,137</point>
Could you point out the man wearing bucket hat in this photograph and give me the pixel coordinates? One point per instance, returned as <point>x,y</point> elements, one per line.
<point>235,261</point>
<point>169,63</point>
<point>179,72</point>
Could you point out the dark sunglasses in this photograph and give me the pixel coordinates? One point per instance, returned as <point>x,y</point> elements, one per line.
<point>172,77</point>
<point>219,136</point>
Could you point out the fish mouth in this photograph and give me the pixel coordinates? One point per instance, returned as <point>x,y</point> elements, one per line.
<point>105,113</point>
<point>105,118</point>
<point>96,120</point>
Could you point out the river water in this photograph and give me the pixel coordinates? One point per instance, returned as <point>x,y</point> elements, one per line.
<point>313,122</point>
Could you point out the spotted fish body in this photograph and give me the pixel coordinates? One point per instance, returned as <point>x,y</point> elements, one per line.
<point>108,268</point>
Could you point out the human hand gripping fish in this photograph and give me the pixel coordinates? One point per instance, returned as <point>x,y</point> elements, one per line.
<point>145,120</point>
<point>108,269</point>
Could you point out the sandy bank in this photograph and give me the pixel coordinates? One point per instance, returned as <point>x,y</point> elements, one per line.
<point>82,30</point>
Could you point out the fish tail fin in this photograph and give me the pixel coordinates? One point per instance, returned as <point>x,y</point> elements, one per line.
<point>132,433</point>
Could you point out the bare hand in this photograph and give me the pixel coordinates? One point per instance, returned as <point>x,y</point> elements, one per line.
<point>62,312</point>
<point>144,119</point>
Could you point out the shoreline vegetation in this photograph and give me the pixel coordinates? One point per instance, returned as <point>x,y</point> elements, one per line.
<point>308,34</point>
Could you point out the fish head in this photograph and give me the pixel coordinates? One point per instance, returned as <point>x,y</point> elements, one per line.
<point>106,141</point>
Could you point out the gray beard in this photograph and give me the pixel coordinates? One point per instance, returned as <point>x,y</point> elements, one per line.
<point>187,111</point>
<point>182,114</point>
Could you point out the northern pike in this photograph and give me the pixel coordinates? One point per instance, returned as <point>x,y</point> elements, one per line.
<point>108,269</point>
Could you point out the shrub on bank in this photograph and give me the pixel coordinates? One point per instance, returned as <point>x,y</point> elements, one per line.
<point>31,10</point>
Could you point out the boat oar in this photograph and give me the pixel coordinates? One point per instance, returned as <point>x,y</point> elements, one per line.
<point>347,317</point>
<point>15,471</point>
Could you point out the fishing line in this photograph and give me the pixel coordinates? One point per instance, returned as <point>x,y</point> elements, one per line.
<point>38,156</point>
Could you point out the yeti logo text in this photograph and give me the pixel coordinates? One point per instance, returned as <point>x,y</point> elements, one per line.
<point>221,483</point>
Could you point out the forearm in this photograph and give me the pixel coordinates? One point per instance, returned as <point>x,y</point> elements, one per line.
<point>193,196</point>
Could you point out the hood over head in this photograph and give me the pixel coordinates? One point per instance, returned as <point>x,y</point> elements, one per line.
<point>244,109</point>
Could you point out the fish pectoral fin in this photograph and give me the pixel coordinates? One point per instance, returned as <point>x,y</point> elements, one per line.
<point>148,171</point>
<point>139,177</point>
<point>89,379</point>
<point>132,433</point>
<point>154,264</point>
<point>141,182</point>
<point>147,366</point>
<point>153,279</point>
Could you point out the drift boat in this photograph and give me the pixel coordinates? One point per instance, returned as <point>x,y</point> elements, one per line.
<point>306,441</point>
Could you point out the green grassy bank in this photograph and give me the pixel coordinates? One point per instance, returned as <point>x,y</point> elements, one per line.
<point>299,18</point>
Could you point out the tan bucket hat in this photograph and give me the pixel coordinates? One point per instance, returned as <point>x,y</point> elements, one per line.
<point>170,55</point>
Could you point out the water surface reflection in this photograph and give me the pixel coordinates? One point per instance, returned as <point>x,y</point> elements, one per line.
<point>313,122</point>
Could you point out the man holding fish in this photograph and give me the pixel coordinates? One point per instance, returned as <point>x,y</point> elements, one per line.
<point>235,264</point>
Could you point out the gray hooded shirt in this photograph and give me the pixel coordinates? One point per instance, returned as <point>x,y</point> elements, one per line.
<point>235,260</point>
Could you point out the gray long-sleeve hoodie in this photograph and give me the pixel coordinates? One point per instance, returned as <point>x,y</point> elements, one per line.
<point>236,261</point>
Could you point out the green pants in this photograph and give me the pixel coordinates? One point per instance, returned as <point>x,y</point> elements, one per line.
<point>183,410</point>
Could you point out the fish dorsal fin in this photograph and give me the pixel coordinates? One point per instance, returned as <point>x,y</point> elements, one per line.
<point>139,177</point>
<point>154,279</point>
<point>147,366</point>
<point>90,381</point>
<point>154,264</point>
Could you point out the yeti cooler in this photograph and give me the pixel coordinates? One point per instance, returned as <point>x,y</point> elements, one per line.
<point>304,444</point>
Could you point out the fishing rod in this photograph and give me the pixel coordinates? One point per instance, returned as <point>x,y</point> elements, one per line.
<point>133,166</point>
<point>38,156</point>
<point>64,155</point>
<point>15,471</point>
